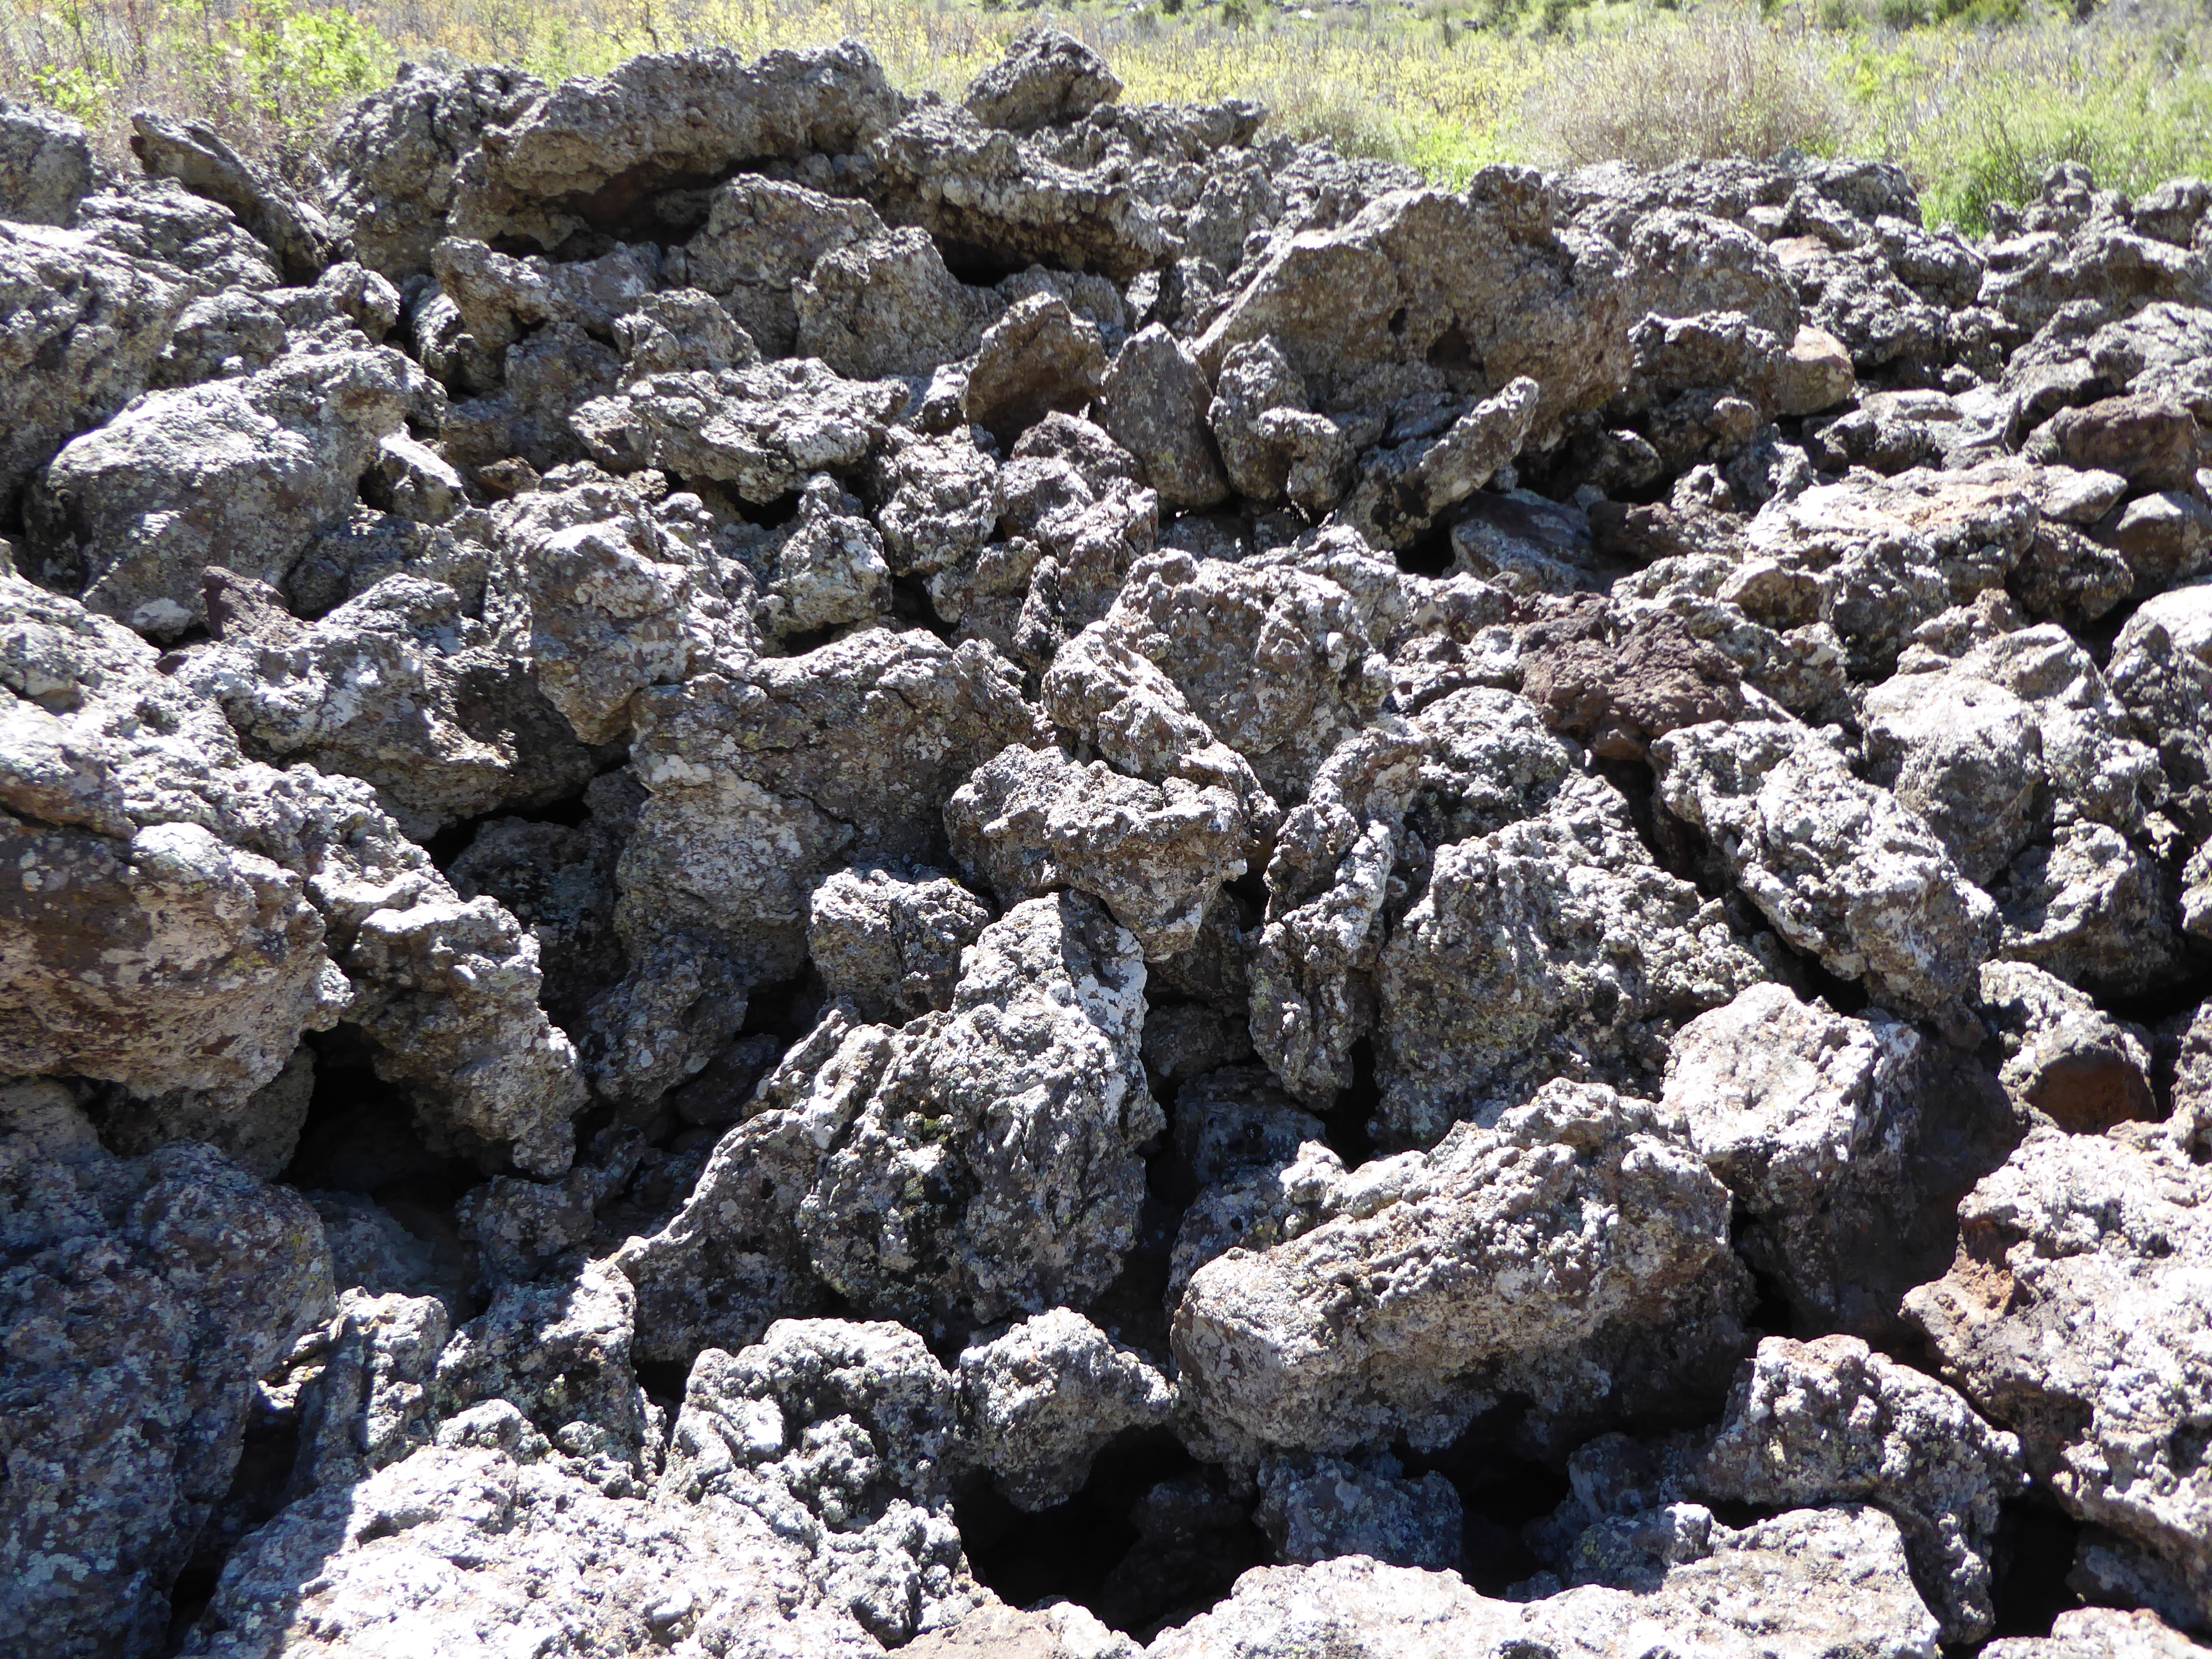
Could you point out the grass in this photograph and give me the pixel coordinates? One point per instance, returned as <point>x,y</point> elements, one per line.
<point>1975,98</point>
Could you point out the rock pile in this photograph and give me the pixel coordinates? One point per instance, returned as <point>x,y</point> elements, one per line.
<point>793,871</point>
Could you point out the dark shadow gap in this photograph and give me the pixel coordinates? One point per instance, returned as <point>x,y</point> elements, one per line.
<point>1154,1538</point>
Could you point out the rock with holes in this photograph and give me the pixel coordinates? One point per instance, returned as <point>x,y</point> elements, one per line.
<point>1424,291</point>
<point>391,157</point>
<point>2074,1316</point>
<point>239,473</point>
<point>975,187</point>
<point>1031,820</point>
<point>890,942</point>
<point>1808,1583</point>
<point>1611,1289</point>
<point>602,594</point>
<point>252,904</point>
<point>2065,1059</point>
<point>398,688</point>
<point>878,1161</point>
<point>87,328</point>
<point>1551,947</point>
<point>763,782</point>
<point>1043,1401</point>
<point>888,306</point>
<point>1316,1509</point>
<point>144,1299</point>
<point>1841,867</point>
<point>1811,1423</point>
<point>1048,77</point>
<point>583,154</point>
<point>554,1555</point>
<point>841,1438</point>
<point>762,430</point>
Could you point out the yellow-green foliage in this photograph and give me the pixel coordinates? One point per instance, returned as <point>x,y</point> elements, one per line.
<point>1975,98</point>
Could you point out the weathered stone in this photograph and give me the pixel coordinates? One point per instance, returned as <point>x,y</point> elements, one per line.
<point>2070,1318</point>
<point>1043,1400</point>
<point>1316,1509</point>
<point>144,1299</point>
<point>1618,1247</point>
<point>1031,820</point>
<point>1841,867</point>
<point>1829,1421</point>
<point>764,784</point>
<point>1048,77</point>
<point>238,473</point>
<point>889,944</point>
<point>584,154</point>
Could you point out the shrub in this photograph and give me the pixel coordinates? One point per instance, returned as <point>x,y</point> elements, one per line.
<point>1722,84</point>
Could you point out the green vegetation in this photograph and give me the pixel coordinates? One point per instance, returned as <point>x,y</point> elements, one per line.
<point>1975,98</point>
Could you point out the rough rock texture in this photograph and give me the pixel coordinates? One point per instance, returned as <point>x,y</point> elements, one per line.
<point>792,870</point>
<point>1821,1581</point>
<point>2073,1317</point>
<point>140,1311</point>
<point>1617,1247</point>
<point>1044,1399</point>
<point>1842,868</point>
<point>1829,1421</point>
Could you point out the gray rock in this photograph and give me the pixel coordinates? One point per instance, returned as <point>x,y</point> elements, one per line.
<point>237,473</point>
<point>2099,1634</point>
<point>1029,821</point>
<point>603,597</point>
<point>1043,1401</point>
<point>763,783</point>
<point>2066,1319</point>
<point>391,157</point>
<point>761,241</point>
<point>2161,669</point>
<point>1039,357</point>
<point>194,155</point>
<point>45,164</point>
<point>1828,1421</point>
<point>1048,77</point>
<point>657,120</point>
<point>877,1158</point>
<point>1153,400</point>
<point>1510,294</point>
<point>1316,1509</point>
<point>1272,444</point>
<point>970,186</point>
<point>892,946</point>
<point>888,306</point>
<point>1841,867</point>
<point>372,1562</point>
<point>826,570</point>
<point>839,1437</point>
<point>144,1299</point>
<point>1283,705</point>
<point>2065,1058</point>
<point>86,328</point>
<point>1403,489</point>
<point>762,430</point>
<point>398,688</point>
<point>1465,1308</point>
<point>1822,1582</point>
<point>1504,975</point>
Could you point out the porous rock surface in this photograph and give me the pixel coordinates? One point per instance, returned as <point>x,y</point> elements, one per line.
<point>791,871</point>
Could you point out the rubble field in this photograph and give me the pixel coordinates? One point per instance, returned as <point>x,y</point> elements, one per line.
<point>793,872</point>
